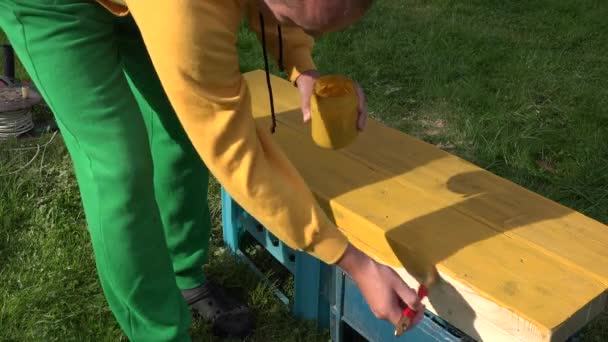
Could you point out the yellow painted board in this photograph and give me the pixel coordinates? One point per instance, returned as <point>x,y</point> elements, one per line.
<point>401,221</point>
<point>503,205</point>
<point>404,227</point>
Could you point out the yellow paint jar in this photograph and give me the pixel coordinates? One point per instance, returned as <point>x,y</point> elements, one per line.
<point>334,107</point>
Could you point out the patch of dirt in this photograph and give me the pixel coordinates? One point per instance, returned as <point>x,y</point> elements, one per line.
<point>546,165</point>
<point>446,146</point>
<point>433,128</point>
<point>432,125</point>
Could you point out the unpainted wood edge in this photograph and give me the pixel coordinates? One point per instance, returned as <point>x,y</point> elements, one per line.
<point>507,327</point>
<point>464,308</point>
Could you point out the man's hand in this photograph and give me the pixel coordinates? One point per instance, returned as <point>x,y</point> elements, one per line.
<point>305,83</point>
<point>383,289</point>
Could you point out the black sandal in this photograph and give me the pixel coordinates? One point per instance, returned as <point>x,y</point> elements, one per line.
<point>228,317</point>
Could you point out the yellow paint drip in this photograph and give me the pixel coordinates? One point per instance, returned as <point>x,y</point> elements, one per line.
<point>334,110</point>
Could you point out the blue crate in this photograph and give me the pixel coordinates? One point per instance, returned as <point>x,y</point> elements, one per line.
<point>349,308</point>
<point>323,293</point>
<point>311,276</point>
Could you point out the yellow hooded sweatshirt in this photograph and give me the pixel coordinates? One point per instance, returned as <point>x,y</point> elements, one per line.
<point>192,44</point>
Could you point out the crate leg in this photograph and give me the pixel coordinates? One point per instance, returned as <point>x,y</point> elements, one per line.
<point>337,309</point>
<point>309,272</point>
<point>307,287</point>
<point>231,224</point>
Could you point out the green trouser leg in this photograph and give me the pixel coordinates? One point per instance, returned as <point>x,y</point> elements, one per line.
<point>143,187</point>
<point>181,179</point>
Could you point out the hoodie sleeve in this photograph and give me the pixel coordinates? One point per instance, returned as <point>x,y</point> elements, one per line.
<point>194,53</point>
<point>296,44</point>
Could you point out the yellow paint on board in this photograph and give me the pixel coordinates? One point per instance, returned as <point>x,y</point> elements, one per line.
<point>415,206</point>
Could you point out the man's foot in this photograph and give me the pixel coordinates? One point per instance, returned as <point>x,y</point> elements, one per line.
<point>228,317</point>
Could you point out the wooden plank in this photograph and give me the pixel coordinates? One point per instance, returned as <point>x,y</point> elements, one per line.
<point>388,192</point>
<point>503,205</point>
<point>374,216</point>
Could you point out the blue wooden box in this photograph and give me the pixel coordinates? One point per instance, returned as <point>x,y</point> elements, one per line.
<point>323,294</point>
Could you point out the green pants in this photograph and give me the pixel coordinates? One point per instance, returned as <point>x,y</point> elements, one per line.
<point>144,188</point>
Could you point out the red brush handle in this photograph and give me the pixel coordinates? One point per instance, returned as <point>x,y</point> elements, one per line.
<point>410,313</point>
<point>422,292</point>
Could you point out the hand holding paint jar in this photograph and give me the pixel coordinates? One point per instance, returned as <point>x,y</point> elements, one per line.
<point>334,106</point>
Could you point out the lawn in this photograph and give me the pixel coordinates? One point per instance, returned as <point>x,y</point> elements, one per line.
<point>517,87</point>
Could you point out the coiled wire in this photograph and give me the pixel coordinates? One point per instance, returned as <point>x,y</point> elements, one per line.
<point>15,123</point>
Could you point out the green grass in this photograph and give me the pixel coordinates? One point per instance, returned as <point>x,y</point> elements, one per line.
<point>519,88</point>
<point>48,285</point>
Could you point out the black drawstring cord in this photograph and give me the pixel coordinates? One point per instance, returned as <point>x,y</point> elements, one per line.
<point>274,119</point>
<point>281,66</point>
